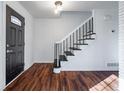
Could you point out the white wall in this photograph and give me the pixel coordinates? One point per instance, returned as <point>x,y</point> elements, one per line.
<point>28,37</point>
<point>2,56</point>
<point>121,46</point>
<point>103,50</point>
<point>121,38</point>
<point>48,31</point>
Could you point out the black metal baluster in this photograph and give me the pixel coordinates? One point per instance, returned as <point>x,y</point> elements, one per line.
<point>76,38</point>
<point>86,30</point>
<point>58,61</point>
<point>73,39</point>
<point>67,44</point>
<point>58,51</point>
<point>83,34</point>
<point>70,42</point>
<point>57,55</point>
<point>80,35</point>
<point>59,47</point>
<point>89,30</point>
<point>63,47</point>
<point>55,51</point>
<point>92,24</point>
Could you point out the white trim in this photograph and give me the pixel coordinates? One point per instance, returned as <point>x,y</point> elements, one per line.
<point>43,61</point>
<point>4,42</point>
<point>15,78</point>
<point>57,70</point>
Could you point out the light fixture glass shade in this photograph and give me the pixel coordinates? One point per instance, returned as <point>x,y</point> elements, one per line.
<point>58,7</point>
<point>57,11</point>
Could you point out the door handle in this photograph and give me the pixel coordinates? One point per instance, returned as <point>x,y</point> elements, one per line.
<point>7,45</point>
<point>9,51</point>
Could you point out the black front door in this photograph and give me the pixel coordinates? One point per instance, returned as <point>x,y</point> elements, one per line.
<point>14,44</point>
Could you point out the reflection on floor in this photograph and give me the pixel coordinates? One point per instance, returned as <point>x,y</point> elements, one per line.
<point>40,77</point>
<point>109,84</point>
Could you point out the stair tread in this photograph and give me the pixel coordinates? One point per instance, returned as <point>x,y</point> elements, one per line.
<point>68,53</point>
<point>89,34</point>
<point>87,39</point>
<point>89,31</point>
<point>74,48</point>
<point>80,44</point>
<point>63,58</point>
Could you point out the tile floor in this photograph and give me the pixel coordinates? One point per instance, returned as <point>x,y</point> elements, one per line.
<point>108,84</point>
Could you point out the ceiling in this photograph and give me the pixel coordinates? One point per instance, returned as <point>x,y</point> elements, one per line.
<point>41,9</point>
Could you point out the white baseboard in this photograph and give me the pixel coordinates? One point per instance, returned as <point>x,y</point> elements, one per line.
<point>15,78</point>
<point>43,61</point>
<point>25,70</point>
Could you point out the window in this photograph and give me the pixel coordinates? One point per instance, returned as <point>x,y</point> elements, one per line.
<point>15,20</point>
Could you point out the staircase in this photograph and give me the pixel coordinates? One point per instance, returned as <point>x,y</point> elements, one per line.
<point>72,42</point>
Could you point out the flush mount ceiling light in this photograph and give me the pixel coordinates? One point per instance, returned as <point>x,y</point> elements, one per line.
<point>58,7</point>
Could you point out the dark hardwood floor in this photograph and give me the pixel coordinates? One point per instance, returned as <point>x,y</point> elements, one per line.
<point>40,77</point>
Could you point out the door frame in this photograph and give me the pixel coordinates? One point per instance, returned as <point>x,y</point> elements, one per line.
<point>17,49</point>
<point>3,52</point>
